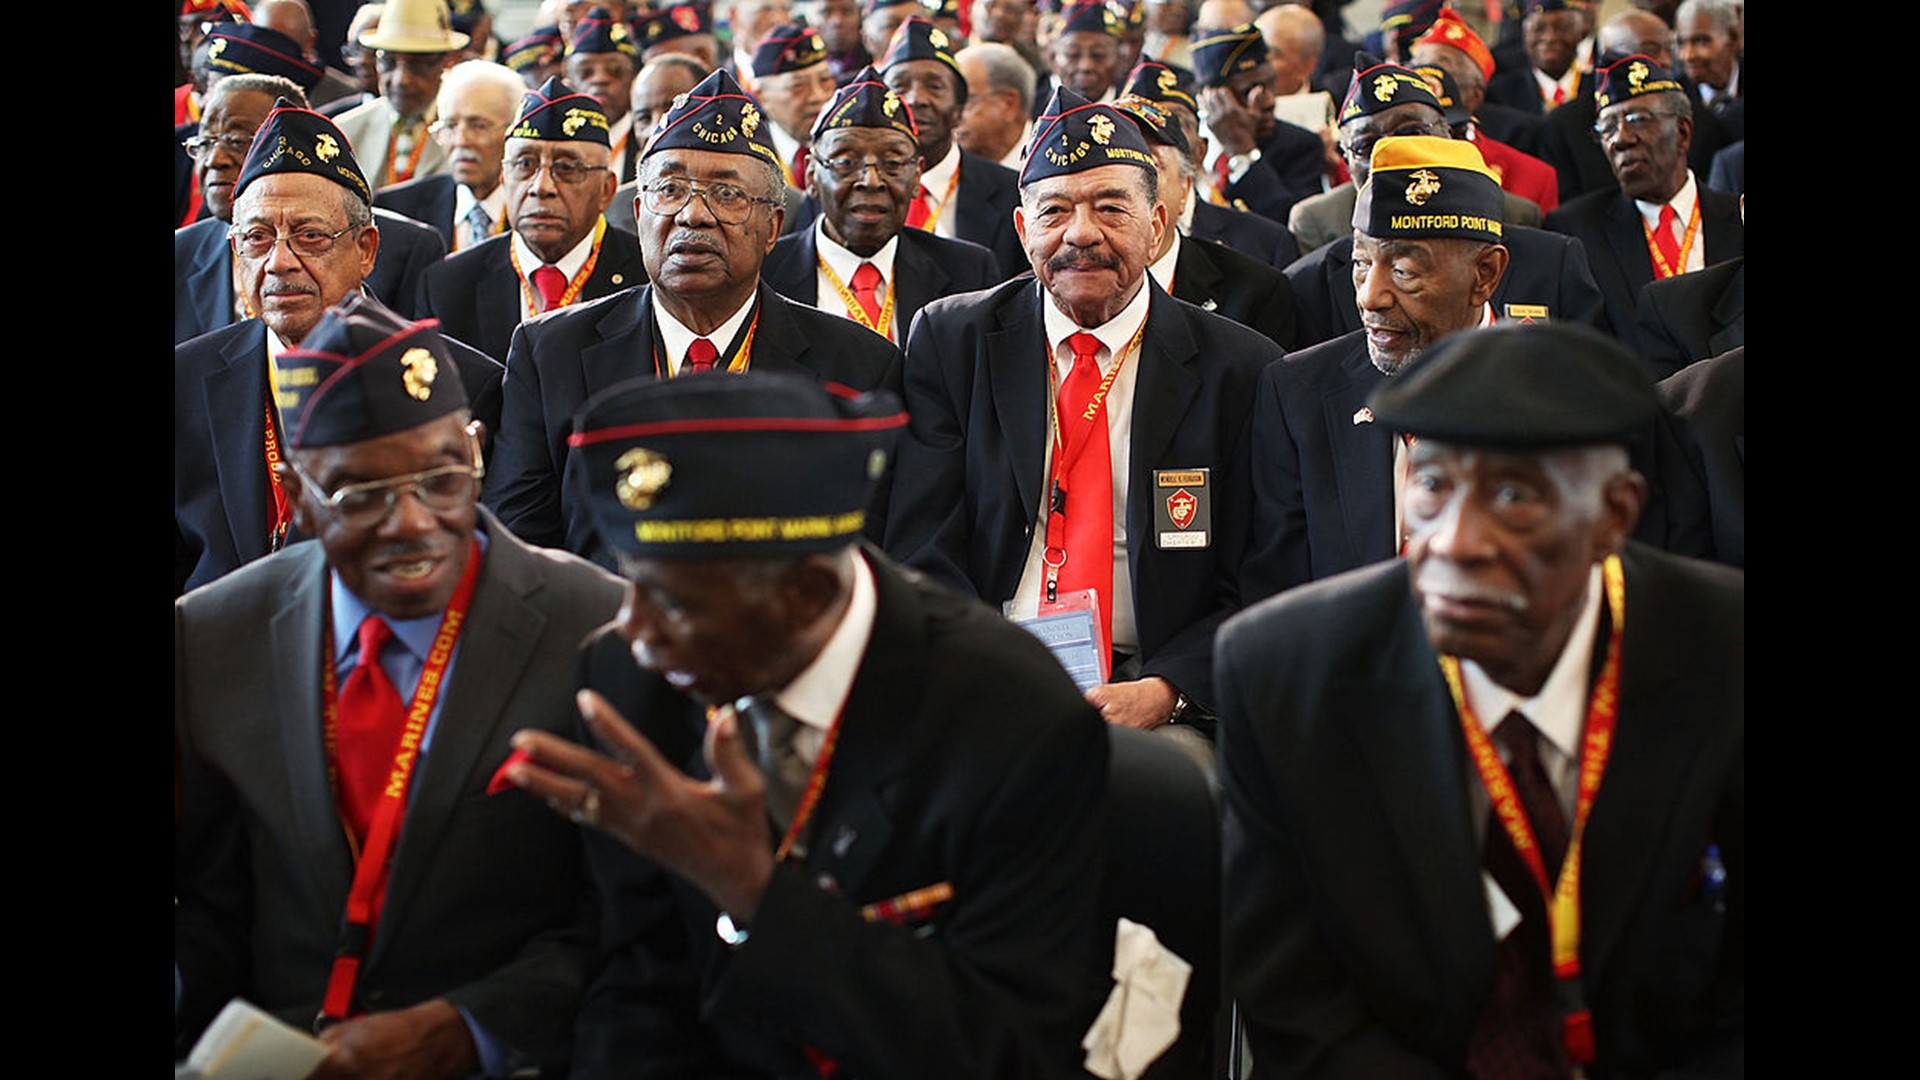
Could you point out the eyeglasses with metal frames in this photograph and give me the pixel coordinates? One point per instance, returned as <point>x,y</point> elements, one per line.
<point>729,203</point>
<point>363,506</point>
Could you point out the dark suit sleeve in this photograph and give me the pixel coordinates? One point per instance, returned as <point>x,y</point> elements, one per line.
<point>1312,307</point>
<point>1303,1018</point>
<point>1278,558</point>
<point>1580,297</point>
<point>1663,350</point>
<point>928,527</point>
<point>1277,318</point>
<point>423,248</point>
<point>523,479</point>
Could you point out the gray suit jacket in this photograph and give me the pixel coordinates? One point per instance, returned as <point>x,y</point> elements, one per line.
<point>488,903</point>
<point>367,127</point>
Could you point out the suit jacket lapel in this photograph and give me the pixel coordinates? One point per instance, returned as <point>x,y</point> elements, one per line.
<point>625,348</point>
<point>918,280</point>
<point>1627,242</point>
<point>1407,732</point>
<point>778,342</point>
<point>499,299</point>
<point>211,282</point>
<point>1729,313</point>
<point>298,650</point>
<point>239,390</point>
<point>1017,358</point>
<point>1196,278</point>
<point>1719,230</point>
<point>617,260</point>
<point>1362,461</point>
<point>1163,392</point>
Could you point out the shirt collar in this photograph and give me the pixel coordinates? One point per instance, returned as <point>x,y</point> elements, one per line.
<point>1016,158</point>
<point>1162,268</point>
<point>1682,203</point>
<point>463,203</point>
<point>786,146</point>
<point>844,262</point>
<point>816,695</point>
<point>1113,334</point>
<point>676,337</point>
<point>569,264</point>
<point>1559,710</point>
<point>349,612</point>
<point>936,178</point>
<point>1186,208</point>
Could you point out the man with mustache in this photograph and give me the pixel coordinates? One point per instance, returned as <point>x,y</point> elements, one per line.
<point>709,209</point>
<point>304,237</point>
<point>467,204</point>
<point>1083,433</point>
<point>857,258</point>
<point>560,251</point>
<point>342,709</point>
<point>1485,806</point>
<point>1662,221</point>
<point>1427,255</point>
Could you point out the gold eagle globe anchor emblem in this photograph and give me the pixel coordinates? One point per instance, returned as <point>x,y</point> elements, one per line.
<point>419,369</point>
<point>641,475</point>
<point>1426,184</point>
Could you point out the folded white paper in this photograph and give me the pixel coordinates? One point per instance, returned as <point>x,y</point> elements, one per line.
<point>1142,1015</point>
<point>245,1043</point>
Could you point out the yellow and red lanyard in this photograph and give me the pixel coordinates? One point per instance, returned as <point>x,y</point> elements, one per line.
<point>282,506</point>
<point>1563,897</point>
<point>858,311</point>
<point>1067,447</point>
<point>742,356</point>
<point>1660,267</point>
<point>934,209</point>
<point>395,173</point>
<point>371,865</point>
<point>531,300</point>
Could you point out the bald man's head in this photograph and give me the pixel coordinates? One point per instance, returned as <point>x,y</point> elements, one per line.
<point>1638,32</point>
<point>1294,38</point>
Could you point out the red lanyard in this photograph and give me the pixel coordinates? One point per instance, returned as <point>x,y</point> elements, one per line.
<point>282,507</point>
<point>1070,437</point>
<point>1563,896</point>
<point>372,865</point>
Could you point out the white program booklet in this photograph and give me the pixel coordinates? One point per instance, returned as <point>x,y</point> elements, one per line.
<point>246,1043</point>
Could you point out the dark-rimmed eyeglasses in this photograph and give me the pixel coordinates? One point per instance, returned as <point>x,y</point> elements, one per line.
<point>848,167</point>
<point>258,242</point>
<point>526,167</point>
<point>730,203</point>
<point>363,506</point>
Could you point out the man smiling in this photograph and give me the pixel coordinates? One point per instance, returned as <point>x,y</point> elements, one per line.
<point>558,180</point>
<point>709,209</point>
<point>1153,396</point>
<point>858,259</point>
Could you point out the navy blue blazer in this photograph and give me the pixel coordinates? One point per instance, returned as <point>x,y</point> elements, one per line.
<point>969,478</point>
<point>429,200</point>
<point>476,294</point>
<point>1291,167</point>
<point>221,494</point>
<point>1543,270</point>
<point>925,267</point>
<point>561,358</point>
<point>1248,233</point>
<point>1690,317</point>
<point>1610,227</point>
<point>1216,278</point>
<point>203,270</point>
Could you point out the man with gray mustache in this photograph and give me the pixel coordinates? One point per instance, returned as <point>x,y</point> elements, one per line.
<point>1083,430</point>
<point>708,208</point>
<point>1485,805</point>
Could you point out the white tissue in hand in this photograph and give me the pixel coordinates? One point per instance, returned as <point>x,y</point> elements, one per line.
<point>1142,1015</point>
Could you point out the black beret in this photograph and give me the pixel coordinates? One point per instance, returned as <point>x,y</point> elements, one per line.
<point>295,140</point>
<point>1520,386</point>
<point>557,112</point>
<point>363,371</point>
<point>866,102</point>
<point>1073,135</point>
<point>663,463</point>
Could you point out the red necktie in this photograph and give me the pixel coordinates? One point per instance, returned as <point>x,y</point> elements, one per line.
<point>369,716</point>
<point>1559,94</point>
<point>866,285</point>
<point>800,167</point>
<point>701,355</point>
<point>1221,175</point>
<point>1518,1035</point>
<point>917,210</point>
<point>1663,239</point>
<point>551,283</point>
<point>1089,541</point>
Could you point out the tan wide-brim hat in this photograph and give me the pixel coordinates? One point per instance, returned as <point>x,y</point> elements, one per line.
<point>415,26</point>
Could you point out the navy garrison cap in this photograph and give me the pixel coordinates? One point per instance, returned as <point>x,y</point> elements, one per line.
<point>866,102</point>
<point>1448,94</point>
<point>1155,123</point>
<point>920,39</point>
<point>557,112</point>
<point>363,371</point>
<point>1377,86</point>
<point>1161,83</point>
<point>1222,54</point>
<point>789,47</point>
<point>296,140</point>
<point>1538,385</point>
<point>542,45</point>
<point>1091,17</point>
<point>716,115</point>
<point>1073,135</point>
<point>1427,185</point>
<point>600,32</point>
<point>243,48</point>
<point>1628,78</point>
<point>758,464</point>
<point>677,21</point>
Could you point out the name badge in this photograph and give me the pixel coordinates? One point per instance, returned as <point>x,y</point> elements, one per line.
<point>1526,313</point>
<point>1182,509</point>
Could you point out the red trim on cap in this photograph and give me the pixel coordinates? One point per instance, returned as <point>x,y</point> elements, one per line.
<point>690,112</point>
<point>735,423</point>
<point>347,363</point>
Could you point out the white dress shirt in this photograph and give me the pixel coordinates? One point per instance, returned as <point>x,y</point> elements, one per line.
<point>844,263</point>
<point>1683,203</point>
<point>675,336</point>
<point>935,180</point>
<point>569,265</point>
<point>816,696</point>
